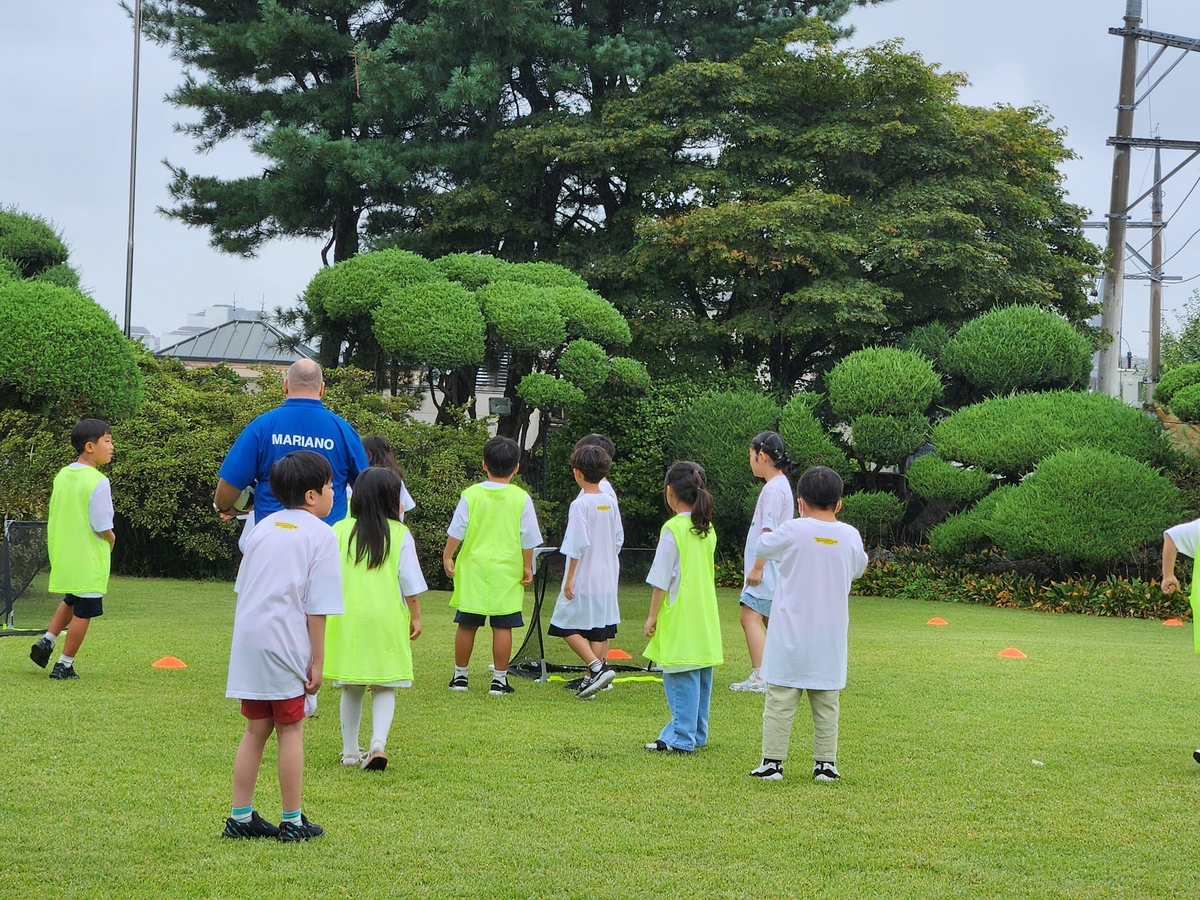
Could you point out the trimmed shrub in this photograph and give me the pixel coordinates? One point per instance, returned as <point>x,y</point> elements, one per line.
<point>1085,507</point>
<point>807,442</point>
<point>1011,435</point>
<point>62,275</point>
<point>585,365</point>
<point>887,440</point>
<point>543,391</point>
<point>628,375</point>
<point>928,340</point>
<point>715,430</point>
<point>471,270</point>
<point>355,287</point>
<point>1177,378</point>
<point>1185,403</point>
<point>30,242</point>
<point>873,513</point>
<point>437,324</point>
<point>1018,348</point>
<point>882,381</point>
<point>523,317</point>
<point>61,353</point>
<point>9,270</point>
<point>963,532</point>
<point>540,274</point>
<point>590,316</point>
<point>933,479</point>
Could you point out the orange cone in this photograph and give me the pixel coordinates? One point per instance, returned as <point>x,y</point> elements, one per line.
<point>1011,653</point>
<point>169,662</point>
<point>937,620</point>
<point>1173,622</point>
<point>614,653</point>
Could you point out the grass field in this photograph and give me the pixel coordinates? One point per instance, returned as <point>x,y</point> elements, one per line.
<point>117,785</point>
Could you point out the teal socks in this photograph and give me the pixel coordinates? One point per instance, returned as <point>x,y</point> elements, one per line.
<point>241,813</point>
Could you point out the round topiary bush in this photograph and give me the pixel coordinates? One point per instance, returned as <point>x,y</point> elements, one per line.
<point>471,270</point>
<point>543,391</point>
<point>1018,348</point>
<point>963,532</point>
<point>585,365</point>
<point>628,375</point>
<point>1011,435</point>
<point>1179,377</point>
<point>807,442</point>
<point>30,242</point>
<point>1085,508</point>
<point>355,287</point>
<point>540,274</point>
<point>873,513</point>
<point>590,316</point>
<point>523,317</point>
<point>932,478</point>
<point>887,440</point>
<point>882,381</point>
<point>438,324</point>
<point>61,353</point>
<point>928,340</point>
<point>1185,403</point>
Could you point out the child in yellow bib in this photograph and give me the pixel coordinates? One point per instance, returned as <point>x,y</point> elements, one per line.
<point>494,532</point>
<point>79,535</point>
<point>370,643</point>
<point>1185,539</point>
<point>685,631</point>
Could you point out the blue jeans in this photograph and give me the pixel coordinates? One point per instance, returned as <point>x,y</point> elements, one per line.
<point>688,695</point>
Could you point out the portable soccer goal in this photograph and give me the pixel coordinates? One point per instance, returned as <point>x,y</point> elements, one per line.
<point>23,559</point>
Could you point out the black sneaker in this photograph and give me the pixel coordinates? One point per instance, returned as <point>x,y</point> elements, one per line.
<point>458,683</point>
<point>500,688</point>
<point>770,770</point>
<point>257,827</point>
<point>574,684</point>
<point>1196,755</point>
<point>40,652</point>
<point>63,673</point>
<point>825,771</point>
<point>290,831</point>
<point>593,683</point>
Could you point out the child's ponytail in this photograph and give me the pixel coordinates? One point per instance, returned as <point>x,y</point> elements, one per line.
<point>687,481</point>
<point>376,500</point>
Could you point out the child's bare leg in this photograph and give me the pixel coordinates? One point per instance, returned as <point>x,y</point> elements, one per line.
<point>600,648</point>
<point>582,648</point>
<point>501,648</point>
<point>756,636</point>
<point>75,635</point>
<point>464,643</point>
<point>291,763</point>
<point>60,619</point>
<point>248,759</point>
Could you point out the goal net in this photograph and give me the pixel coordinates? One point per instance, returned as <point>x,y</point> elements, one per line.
<point>23,578</point>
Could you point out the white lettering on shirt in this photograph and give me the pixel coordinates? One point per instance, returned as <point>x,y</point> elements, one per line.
<point>302,441</point>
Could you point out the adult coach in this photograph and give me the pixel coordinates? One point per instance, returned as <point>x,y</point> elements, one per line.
<point>301,423</point>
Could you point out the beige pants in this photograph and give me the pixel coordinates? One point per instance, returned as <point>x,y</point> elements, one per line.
<point>779,710</point>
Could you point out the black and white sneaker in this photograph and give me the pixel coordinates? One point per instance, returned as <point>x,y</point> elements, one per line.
<point>825,771</point>
<point>63,673</point>
<point>1196,755</point>
<point>575,684</point>
<point>290,831</point>
<point>500,688</point>
<point>593,683</point>
<point>40,652</point>
<point>257,827</point>
<point>458,683</point>
<point>770,770</point>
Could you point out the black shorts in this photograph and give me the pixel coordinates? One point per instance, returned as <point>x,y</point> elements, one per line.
<point>85,607</point>
<point>475,620</point>
<point>592,635</point>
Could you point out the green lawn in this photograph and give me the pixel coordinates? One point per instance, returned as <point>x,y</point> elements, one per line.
<point>117,785</point>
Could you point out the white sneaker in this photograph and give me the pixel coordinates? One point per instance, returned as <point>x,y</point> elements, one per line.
<point>825,771</point>
<point>753,684</point>
<point>769,771</point>
<point>352,760</point>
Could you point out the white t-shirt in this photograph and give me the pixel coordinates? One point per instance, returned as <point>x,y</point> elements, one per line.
<point>1186,537</point>
<point>664,571</point>
<point>605,488</point>
<point>406,501</point>
<point>412,579</point>
<point>594,536</point>
<point>774,507</point>
<point>531,534</point>
<point>291,571</point>
<point>810,614</point>
<point>100,510</point>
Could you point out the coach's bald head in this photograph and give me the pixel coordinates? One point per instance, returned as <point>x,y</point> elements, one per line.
<point>304,380</point>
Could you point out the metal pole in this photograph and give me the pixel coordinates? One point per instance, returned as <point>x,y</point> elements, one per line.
<point>1156,263</point>
<point>1107,380</point>
<point>137,45</point>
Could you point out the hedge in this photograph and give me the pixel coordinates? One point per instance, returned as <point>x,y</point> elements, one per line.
<point>1179,377</point>
<point>963,532</point>
<point>882,381</point>
<point>1185,403</point>
<point>932,478</point>
<point>873,513</point>
<point>30,242</point>
<point>887,440</point>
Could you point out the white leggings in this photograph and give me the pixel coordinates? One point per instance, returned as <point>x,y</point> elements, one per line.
<point>383,708</point>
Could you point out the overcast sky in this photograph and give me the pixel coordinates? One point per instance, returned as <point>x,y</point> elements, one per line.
<point>64,137</point>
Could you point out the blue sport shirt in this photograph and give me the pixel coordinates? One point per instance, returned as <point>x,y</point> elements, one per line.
<point>299,424</point>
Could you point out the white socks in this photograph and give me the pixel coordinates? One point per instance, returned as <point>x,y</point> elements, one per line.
<point>383,709</point>
<point>501,677</point>
<point>66,660</point>
<point>461,670</point>
<point>52,638</point>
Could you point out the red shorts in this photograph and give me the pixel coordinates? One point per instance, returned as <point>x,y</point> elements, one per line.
<point>284,712</point>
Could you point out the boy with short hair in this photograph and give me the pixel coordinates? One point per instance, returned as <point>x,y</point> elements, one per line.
<point>586,614</point>
<point>80,538</point>
<point>289,581</point>
<point>806,646</point>
<point>494,531</point>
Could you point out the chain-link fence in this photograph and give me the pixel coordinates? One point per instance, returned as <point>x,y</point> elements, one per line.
<point>23,561</point>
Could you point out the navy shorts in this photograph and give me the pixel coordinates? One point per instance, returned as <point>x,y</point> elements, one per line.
<point>591,635</point>
<point>475,620</point>
<point>85,607</point>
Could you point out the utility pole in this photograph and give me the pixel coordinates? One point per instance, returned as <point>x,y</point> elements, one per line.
<point>137,46</point>
<point>1107,379</point>
<point>1156,277</point>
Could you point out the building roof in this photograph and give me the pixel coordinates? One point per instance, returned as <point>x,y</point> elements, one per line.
<point>239,341</point>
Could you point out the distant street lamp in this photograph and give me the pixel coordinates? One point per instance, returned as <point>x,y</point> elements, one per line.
<point>137,45</point>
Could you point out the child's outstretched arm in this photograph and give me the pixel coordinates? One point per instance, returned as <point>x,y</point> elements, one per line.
<point>452,545</point>
<point>414,610</point>
<point>656,599</point>
<point>1170,584</point>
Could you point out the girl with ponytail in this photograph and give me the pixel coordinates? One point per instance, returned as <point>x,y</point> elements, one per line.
<point>685,631</point>
<point>768,460</point>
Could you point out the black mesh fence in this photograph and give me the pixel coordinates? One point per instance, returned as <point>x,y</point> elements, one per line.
<point>23,577</point>
<point>541,655</point>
